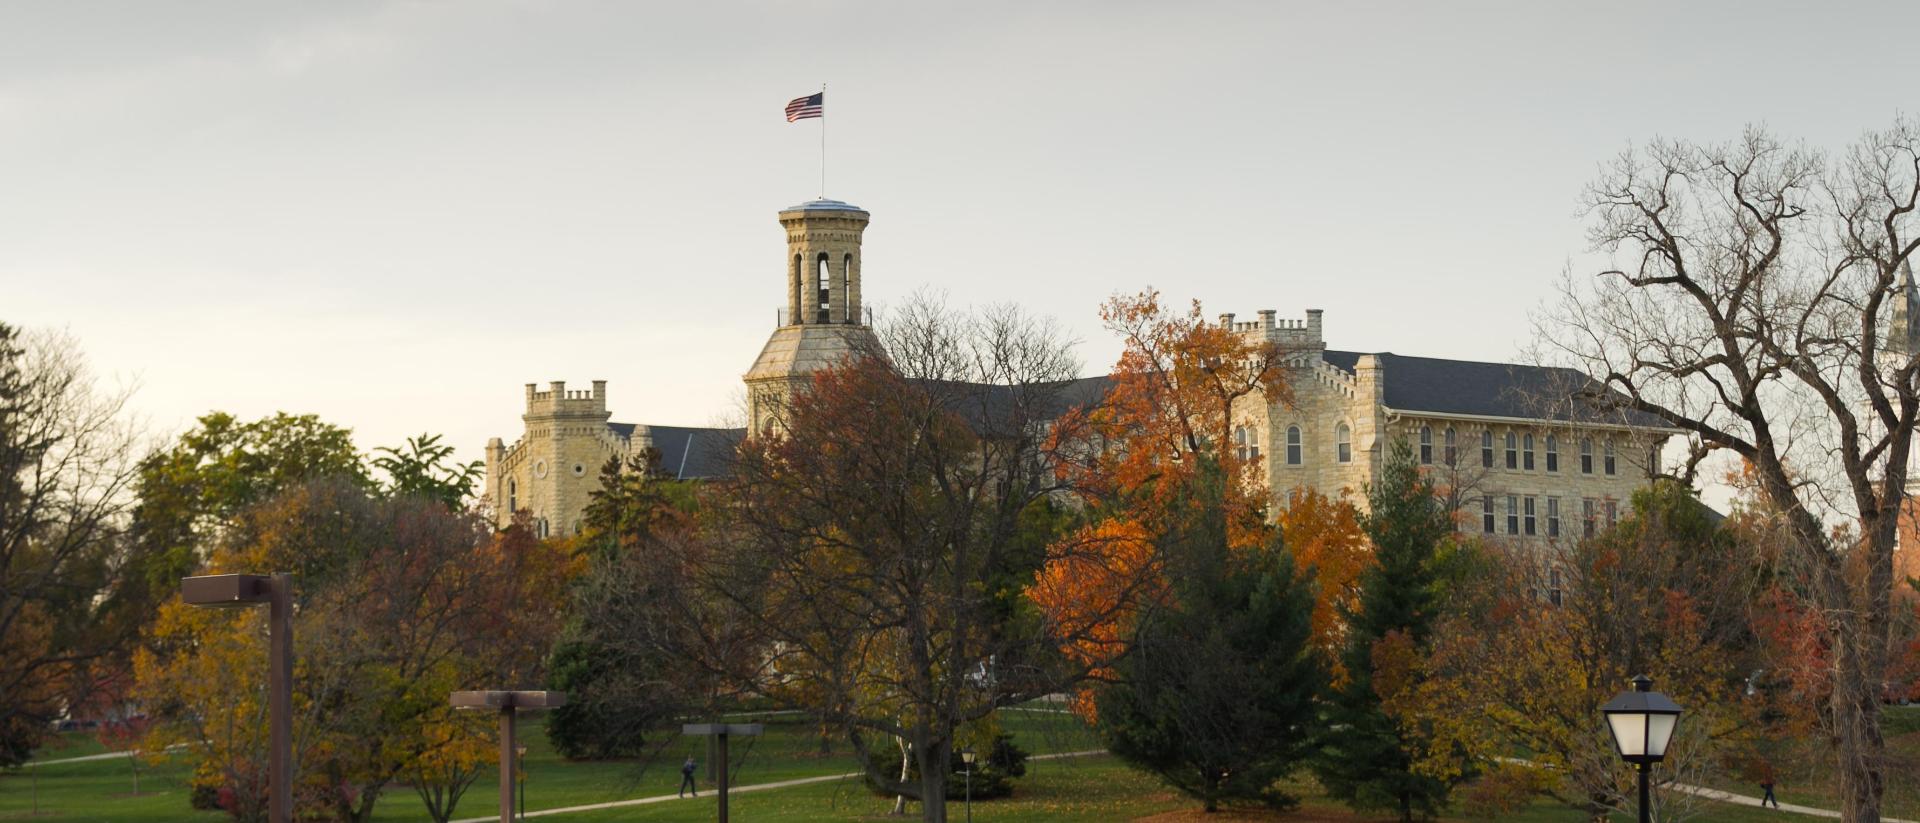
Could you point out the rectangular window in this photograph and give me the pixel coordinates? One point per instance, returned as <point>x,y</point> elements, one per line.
<point>1513,514</point>
<point>1553,453</point>
<point>1586,517</point>
<point>1553,517</point>
<point>1530,518</point>
<point>1609,455</point>
<point>1526,452</point>
<point>1553,587</point>
<point>1613,513</point>
<point>1513,452</point>
<point>1586,455</point>
<point>1486,513</point>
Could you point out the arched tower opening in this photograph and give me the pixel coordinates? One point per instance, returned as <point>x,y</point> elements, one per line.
<point>824,322</point>
<point>823,238</point>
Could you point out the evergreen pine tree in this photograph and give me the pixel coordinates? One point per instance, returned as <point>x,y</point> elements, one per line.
<point>1217,696</point>
<point>1365,758</point>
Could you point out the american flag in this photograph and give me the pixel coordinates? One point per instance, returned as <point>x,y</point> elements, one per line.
<point>812,105</point>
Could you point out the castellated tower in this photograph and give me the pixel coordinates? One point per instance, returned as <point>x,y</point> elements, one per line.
<point>555,468</point>
<point>824,321</point>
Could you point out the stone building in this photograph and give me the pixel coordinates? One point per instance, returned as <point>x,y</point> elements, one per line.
<point>554,468</point>
<point>1520,458</point>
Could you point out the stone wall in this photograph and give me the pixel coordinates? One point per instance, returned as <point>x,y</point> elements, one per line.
<point>554,469</point>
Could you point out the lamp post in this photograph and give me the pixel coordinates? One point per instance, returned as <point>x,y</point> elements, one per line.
<point>520,757</point>
<point>1642,722</point>
<point>967,756</point>
<point>720,732</point>
<point>237,590</point>
<point>506,703</point>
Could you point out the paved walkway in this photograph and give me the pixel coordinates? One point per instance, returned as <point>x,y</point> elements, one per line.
<point>732,790</point>
<point>107,756</point>
<point>1744,800</point>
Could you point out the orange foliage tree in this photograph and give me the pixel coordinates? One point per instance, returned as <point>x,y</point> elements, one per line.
<point>1179,389</point>
<point>1324,534</point>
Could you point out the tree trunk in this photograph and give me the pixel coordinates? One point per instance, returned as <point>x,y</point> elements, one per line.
<point>933,781</point>
<point>900,801</point>
<point>1855,713</point>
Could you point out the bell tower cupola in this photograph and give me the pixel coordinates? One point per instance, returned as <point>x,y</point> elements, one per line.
<point>824,322</point>
<point>823,263</point>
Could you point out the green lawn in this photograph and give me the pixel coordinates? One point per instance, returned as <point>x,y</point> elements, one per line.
<point>1094,788</point>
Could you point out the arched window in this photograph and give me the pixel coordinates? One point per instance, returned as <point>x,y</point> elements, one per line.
<point>1513,451</point>
<point>1553,453</point>
<point>1426,444</point>
<point>1293,445</point>
<point>796,311</point>
<point>1253,442</point>
<point>1450,454</point>
<point>1586,455</point>
<point>513,496</point>
<point>1486,449</point>
<point>824,278</point>
<point>1240,442</point>
<point>846,287</point>
<point>1609,455</point>
<point>1343,443</point>
<point>1526,451</point>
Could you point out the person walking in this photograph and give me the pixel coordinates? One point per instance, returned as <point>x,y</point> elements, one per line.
<point>1766,784</point>
<point>686,778</point>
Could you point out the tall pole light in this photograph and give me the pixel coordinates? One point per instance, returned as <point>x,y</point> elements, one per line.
<point>520,757</point>
<point>1642,722</point>
<point>720,732</point>
<point>506,703</point>
<point>238,590</point>
<point>967,756</point>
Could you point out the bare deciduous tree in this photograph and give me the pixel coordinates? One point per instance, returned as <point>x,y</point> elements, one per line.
<point>66,459</point>
<point>1755,287</point>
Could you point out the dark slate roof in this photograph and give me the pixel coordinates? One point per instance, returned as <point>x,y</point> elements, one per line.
<point>980,403</point>
<point>1430,384</point>
<point>690,453</point>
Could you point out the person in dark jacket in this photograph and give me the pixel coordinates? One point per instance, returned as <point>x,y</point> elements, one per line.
<point>1766,784</point>
<point>686,778</point>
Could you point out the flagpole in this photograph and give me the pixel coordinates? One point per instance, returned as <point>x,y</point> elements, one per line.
<point>823,141</point>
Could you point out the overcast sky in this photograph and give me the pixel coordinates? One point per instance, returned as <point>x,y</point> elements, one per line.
<point>394,215</point>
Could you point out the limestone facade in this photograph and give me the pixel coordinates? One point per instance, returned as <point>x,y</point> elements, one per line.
<point>824,321</point>
<point>555,467</point>
<point>1563,473</point>
<point>1520,470</point>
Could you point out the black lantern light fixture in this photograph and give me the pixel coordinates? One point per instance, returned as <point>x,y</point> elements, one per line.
<point>1643,722</point>
<point>967,757</point>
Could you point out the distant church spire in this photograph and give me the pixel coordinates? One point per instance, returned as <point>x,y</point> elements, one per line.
<point>1903,335</point>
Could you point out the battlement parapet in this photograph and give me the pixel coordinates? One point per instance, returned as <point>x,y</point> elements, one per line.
<point>559,401</point>
<point>1303,333</point>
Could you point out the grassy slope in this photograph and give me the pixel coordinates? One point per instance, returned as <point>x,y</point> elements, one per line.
<point>1081,789</point>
